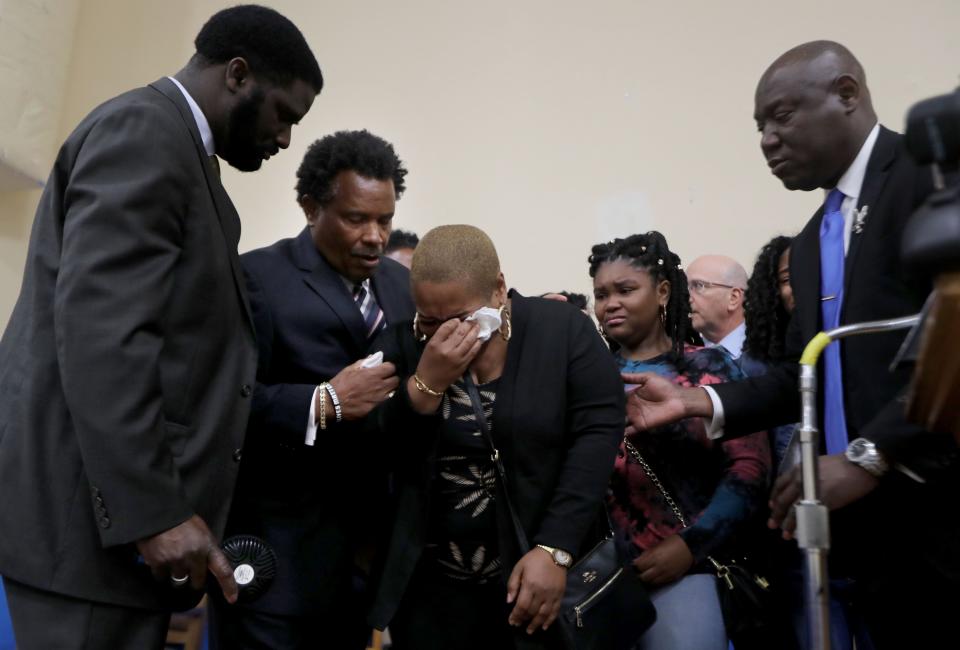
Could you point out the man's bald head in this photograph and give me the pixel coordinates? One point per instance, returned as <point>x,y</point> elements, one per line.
<point>814,112</point>
<point>821,61</point>
<point>717,284</point>
<point>725,270</point>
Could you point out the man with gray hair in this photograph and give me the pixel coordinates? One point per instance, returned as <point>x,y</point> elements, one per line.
<point>717,284</point>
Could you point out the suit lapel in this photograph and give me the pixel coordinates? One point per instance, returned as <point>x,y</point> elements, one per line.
<point>328,284</point>
<point>226,212</point>
<point>805,275</point>
<point>878,168</point>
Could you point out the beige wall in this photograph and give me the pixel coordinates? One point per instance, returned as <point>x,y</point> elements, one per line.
<point>553,125</point>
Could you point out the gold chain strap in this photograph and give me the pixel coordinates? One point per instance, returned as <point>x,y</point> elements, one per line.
<point>656,481</point>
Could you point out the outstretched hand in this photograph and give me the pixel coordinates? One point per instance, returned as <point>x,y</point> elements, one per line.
<point>657,401</point>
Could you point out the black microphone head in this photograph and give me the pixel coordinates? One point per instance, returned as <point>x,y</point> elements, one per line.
<point>254,565</point>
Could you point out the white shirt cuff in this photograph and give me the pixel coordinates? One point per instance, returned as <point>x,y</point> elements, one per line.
<point>715,424</point>
<point>312,421</point>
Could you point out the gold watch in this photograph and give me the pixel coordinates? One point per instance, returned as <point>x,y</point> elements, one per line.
<point>560,556</point>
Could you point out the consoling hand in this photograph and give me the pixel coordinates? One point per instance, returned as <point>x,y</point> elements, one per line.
<point>536,585</point>
<point>666,562</point>
<point>448,353</point>
<point>841,483</point>
<point>360,389</point>
<point>655,401</point>
<point>188,549</point>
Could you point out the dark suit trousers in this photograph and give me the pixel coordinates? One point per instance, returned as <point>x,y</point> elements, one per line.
<point>239,628</point>
<point>43,620</point>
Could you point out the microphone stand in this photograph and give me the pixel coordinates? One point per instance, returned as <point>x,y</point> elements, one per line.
<point>813,522</point>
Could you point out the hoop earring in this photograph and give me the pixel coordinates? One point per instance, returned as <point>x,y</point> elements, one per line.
<point>417,332</point>
<point>663,316</point>
<point>505,321</point>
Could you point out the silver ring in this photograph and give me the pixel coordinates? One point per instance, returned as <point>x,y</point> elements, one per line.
<point>179,582</point>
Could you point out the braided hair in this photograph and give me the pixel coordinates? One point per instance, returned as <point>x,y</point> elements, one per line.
<point>650,252</point>
<point>763,311</point>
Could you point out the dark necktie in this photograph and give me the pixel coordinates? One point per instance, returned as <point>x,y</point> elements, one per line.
<point>831,301</point>
<point>373,320</point>
<point>215,163</point>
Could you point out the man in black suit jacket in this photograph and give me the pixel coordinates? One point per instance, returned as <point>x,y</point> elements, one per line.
<point>309,484</point>
<point>819,130</point>
<point>128,363</point>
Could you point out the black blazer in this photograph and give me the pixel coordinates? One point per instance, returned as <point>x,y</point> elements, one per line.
<point>877,286</point>
<point>557,422</point>
<point>127,367</point>
<point>311,503</point>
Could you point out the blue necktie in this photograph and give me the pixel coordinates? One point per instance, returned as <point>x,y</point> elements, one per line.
<point>831,300</point>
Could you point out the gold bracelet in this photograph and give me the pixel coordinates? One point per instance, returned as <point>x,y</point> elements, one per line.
<point>423,388</point>
<point>321,393</point>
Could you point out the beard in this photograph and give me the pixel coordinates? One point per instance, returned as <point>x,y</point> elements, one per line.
<point>241,150</point>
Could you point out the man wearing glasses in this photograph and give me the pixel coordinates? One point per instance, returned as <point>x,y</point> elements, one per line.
<point>716,284</point>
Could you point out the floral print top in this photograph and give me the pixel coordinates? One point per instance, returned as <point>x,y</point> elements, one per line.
<point>718,486</point>
<point>463,527</point>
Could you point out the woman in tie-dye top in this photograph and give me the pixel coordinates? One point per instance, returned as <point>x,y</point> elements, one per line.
<point>641,303</point>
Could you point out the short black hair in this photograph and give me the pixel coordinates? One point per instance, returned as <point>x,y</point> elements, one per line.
<point>763,311</point>
<point>268,41</point>
<point>578,300</point>
<point>401,239</point>
<point>649,251</point>
<point>359,151</point>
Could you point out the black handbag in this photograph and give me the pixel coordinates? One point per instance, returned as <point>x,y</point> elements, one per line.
<point>605,605</point>
<point>744,594</point>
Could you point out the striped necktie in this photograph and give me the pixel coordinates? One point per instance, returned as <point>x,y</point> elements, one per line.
<point>831,301</point>
<point>373,320</point>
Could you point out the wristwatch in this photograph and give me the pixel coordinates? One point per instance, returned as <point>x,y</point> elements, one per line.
<point>560,556</point>
<point>863,453</point>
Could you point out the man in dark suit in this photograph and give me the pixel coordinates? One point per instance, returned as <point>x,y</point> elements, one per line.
<point>309,484</point>
<point>127,367</point>
<point>819,130</point>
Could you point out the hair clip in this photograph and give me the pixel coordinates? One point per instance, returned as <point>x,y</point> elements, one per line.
<point>643,249</point>
<point>660,261</point>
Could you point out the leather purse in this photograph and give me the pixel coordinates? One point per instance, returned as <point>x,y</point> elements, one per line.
<point>605,605</point>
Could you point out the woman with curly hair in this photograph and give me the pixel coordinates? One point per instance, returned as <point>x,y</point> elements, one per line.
<point>769,302</point>
<point>767,307</point>
<point>641,301</point>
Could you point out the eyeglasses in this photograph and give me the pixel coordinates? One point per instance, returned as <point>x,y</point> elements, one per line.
<point>700,286</point>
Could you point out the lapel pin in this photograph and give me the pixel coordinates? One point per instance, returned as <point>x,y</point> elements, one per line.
<point>860,219</point>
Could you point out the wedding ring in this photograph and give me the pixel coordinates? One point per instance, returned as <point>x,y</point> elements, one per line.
<point>179,582</point>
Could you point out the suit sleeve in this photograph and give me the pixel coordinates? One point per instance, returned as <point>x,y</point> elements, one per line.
<point>122,237</point>
<point>278,409</point>
<point>769,400</point>
<point>906,445</point>
<point>595,421</point>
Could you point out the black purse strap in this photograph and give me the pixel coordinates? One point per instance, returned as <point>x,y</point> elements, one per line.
<point>481,417</point>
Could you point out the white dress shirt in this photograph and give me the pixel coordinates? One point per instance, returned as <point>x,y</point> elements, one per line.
<point>206,135</point>
<point>732,342</point>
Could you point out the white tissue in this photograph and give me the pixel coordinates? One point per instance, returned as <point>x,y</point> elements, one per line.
<point>488,319</point>
<point>372,361</point>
